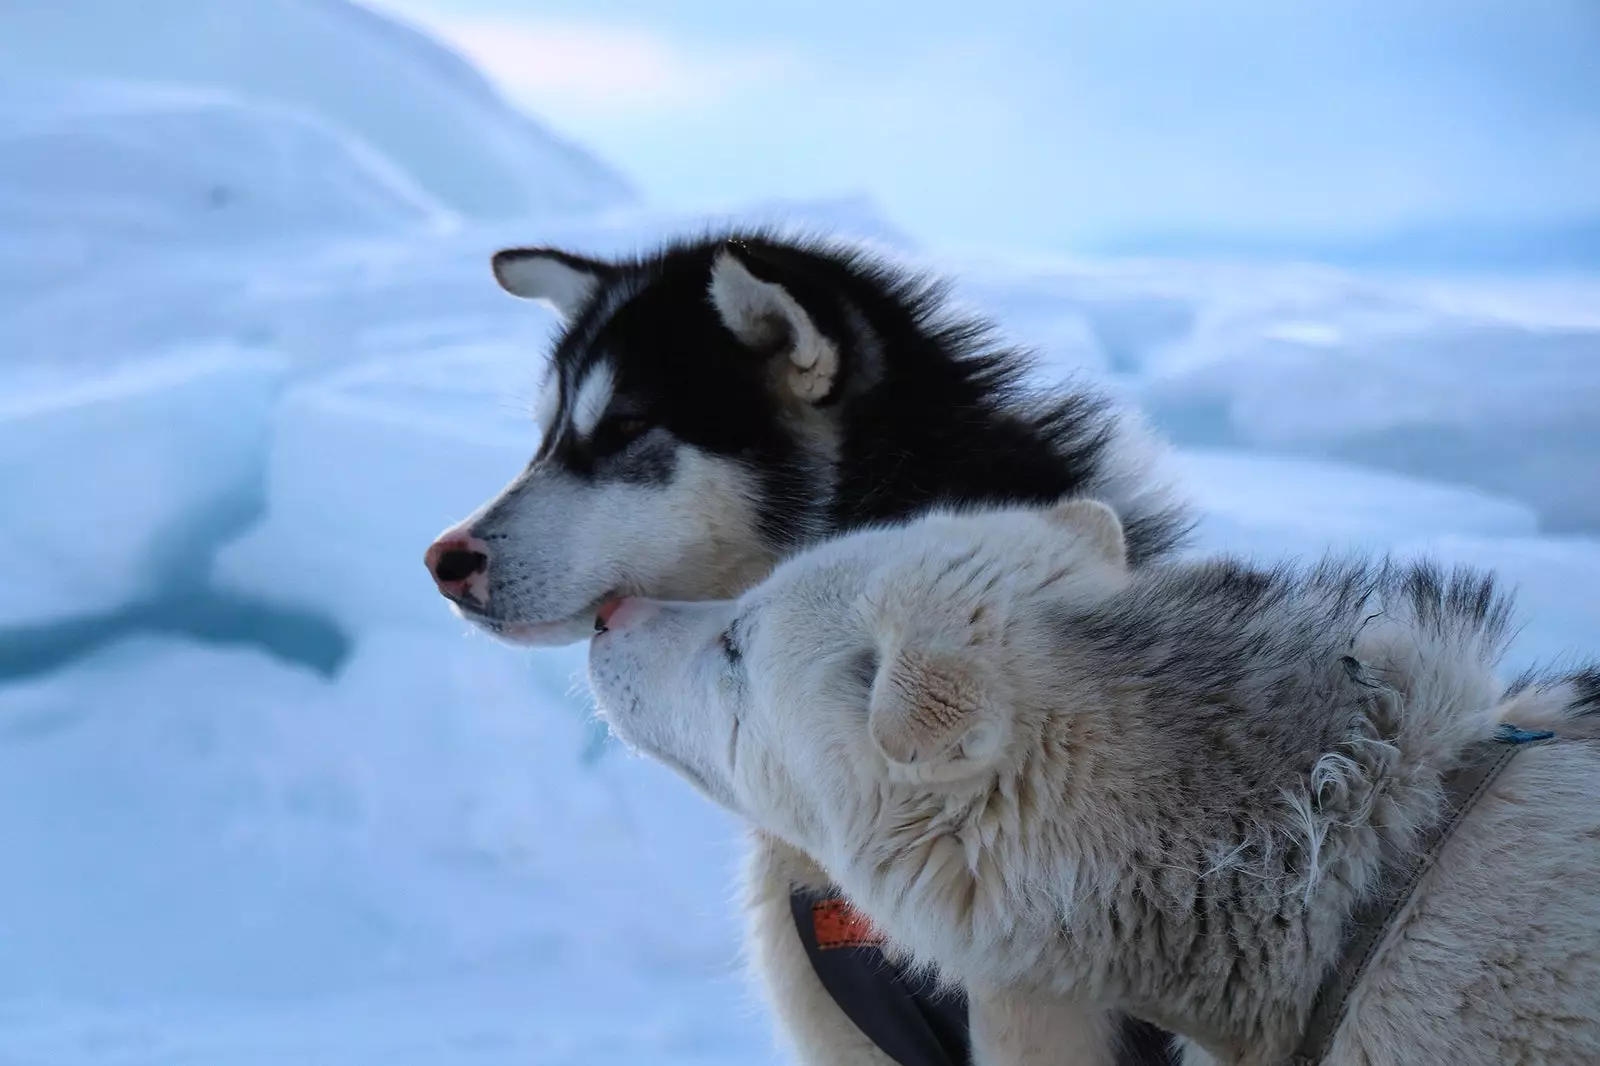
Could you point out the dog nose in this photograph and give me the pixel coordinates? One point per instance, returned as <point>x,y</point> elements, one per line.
<point>628,611</point>
<point>459,563</point>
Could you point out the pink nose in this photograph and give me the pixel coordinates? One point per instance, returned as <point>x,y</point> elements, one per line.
<point>459,563</point>
<point>628,611</point>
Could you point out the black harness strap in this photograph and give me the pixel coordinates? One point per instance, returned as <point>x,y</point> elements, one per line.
<point>910,1021</point>
<point>916,1024</point>
<point>906,1016</point>
<point>1370,928</point>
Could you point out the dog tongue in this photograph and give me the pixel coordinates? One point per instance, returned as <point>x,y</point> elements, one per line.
<point>604,612</point>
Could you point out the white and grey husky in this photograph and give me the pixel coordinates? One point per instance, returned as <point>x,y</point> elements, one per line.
<point>1176,791</point>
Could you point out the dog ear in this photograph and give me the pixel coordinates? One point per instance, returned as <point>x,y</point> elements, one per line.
<point>1095,525</point>
<point>936,714</point>
<point>560,281</point>
<point>765,316</point>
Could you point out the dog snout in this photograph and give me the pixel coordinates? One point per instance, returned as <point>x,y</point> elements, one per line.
<point>459,563</point>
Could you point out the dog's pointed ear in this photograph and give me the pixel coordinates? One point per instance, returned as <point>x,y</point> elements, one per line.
<point>1096,525</point>
<point>560,281</point>
<point>765,316</point>
<point>937,716</point>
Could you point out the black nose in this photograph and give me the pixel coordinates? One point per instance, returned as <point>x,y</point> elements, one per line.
<point>458,565</point>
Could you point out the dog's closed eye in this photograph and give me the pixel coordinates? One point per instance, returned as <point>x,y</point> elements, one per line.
<point>730,644</point>
<point>862,667</point>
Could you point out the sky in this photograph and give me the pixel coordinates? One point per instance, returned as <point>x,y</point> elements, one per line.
<point>1071,123</point>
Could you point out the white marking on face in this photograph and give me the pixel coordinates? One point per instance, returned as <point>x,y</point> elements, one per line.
<point>592,398</point>
<point>563,543</point>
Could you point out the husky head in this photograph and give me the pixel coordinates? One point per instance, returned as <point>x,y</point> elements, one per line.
<point>715,406</point>
<point>878,673</point>
<point>688,439</point>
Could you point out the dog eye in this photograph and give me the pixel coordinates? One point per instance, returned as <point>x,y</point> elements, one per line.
<point>863,667</point>
<point>617,432</point>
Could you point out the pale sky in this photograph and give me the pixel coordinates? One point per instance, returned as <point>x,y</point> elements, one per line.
<point>1050,124</point>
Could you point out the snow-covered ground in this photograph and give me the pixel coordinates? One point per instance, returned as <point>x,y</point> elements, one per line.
<point>262,798</point>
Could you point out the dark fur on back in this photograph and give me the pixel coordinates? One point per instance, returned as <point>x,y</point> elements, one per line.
<point>931,407</point>
<point>1233,645</point>
<point>1580,690</point>
<point>1586,690</point>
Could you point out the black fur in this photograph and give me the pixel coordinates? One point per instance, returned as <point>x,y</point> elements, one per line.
<point>1583,685</point>
<point>932,408</point>
<point>1586,690</point>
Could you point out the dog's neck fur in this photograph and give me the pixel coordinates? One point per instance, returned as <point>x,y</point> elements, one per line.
<point>1209,901</point>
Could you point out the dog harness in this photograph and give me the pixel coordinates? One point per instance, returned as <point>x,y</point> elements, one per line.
<point>1373,924</point>
<point>916,1024</point>
<point>905,1015</point>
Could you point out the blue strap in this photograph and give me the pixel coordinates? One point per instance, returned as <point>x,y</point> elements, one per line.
<point>1510,734</point>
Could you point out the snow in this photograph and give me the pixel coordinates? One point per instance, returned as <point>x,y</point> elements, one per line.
<point>1507,406</point>
<point>1278,501</point>
<point>1488,385</point>
<point>417,847</point>
<point>140,164</point>
<point>117,484</point>
<point>395,90</point>
<point>380,459</point>
<point>286,853</point>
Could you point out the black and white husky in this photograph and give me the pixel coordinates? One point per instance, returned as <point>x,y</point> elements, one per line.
<point>713,408</point>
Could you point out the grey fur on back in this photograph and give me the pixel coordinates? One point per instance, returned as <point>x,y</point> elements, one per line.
<point>1316,701</point>
<point>1214,764</point>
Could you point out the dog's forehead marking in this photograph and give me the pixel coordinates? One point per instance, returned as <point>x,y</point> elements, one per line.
<point>582,377</point>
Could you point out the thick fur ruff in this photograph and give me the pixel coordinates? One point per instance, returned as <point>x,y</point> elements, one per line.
<point>1051,778</point>
<point>716,405</point>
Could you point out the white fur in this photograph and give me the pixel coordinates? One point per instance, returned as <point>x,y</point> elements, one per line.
<point>867,664</point>
<point>534,276</point>
<point>596,540</point>
<point>592,398</point>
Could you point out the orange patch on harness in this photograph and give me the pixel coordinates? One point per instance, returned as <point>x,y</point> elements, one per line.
<point>839,925</point>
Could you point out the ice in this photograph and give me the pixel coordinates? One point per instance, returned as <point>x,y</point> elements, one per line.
<point>319,868</point>
<point>369,465</point>
<point>1271,501</point>
<point>1487,383</point>
<point>1508,407</point>
<point>117,486</point>
<point>138,164</point>
<point>396,91</point>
